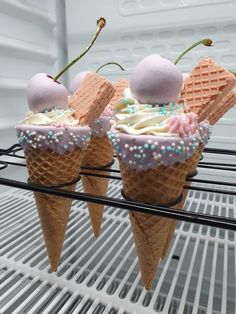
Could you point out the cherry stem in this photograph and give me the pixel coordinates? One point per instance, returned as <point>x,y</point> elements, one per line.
<point>205,42</point>
<point>100,25</point>
<point>108,63</point>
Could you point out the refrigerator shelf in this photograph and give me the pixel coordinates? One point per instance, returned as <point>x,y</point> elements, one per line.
<point>101,276</point>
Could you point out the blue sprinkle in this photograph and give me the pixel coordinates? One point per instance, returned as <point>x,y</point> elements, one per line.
<point>153,146</point>
<point>146,146</point>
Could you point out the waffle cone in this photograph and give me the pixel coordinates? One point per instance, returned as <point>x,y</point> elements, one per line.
<point>161,185</point>
<point>191,165</point>
<point>50,168</point>
<point>98,153</point>
<point>173,223</point>
<point>193,161</point>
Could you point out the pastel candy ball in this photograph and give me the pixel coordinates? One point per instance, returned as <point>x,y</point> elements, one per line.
<point>45,94</point>
<point>156,80</point>
<point>77,80</point>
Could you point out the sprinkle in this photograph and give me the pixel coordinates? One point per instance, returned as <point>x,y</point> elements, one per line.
<point>149,141</point>
<point>146,146</point>
<point>131,149</point>
<point>126,145</point>
<point>163,148</point>
<point>153,146</point>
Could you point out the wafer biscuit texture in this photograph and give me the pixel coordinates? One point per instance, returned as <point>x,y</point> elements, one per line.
<point>90,100</point>
<point>119,88</point>
<point>206,86</point>
<point>226,104</point>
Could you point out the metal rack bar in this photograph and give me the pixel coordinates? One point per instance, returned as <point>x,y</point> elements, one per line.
<point>204,219</point>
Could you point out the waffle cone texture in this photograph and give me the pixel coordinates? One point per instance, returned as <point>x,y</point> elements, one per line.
<point>46,167</point>
<point>191,166</point>
<point>98,153</point>
<point>161,185</point>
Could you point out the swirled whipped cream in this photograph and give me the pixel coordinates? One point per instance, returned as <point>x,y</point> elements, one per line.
<point>131,117</point>
<point>56,130</point>
<point>56,117</point>
<point>146,136</point>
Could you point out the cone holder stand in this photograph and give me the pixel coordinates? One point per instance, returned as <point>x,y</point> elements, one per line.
<point>126,204</point>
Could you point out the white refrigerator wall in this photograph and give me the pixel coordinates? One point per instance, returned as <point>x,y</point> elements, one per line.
<point>32,40</point>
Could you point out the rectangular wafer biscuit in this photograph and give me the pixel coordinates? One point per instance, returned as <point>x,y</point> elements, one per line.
<point>119,88</point>
<point>206,86</point>
<point>91,98</point>
<point>224,105</point>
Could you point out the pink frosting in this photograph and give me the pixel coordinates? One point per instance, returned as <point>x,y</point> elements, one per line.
<point>183,125</point>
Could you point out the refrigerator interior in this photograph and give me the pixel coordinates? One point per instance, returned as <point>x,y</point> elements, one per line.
<point>102,276</point>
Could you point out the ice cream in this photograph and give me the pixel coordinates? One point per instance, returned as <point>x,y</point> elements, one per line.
<point>153,138</point>
<point>53,143</point>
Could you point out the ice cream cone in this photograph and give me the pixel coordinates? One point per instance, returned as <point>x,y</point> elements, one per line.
<point>46,167</point>
<point>98,154</point>
<point>191,165</point>
<point>161,185</point>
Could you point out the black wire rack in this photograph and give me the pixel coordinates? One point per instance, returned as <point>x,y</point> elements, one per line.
<point>154,209</point>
